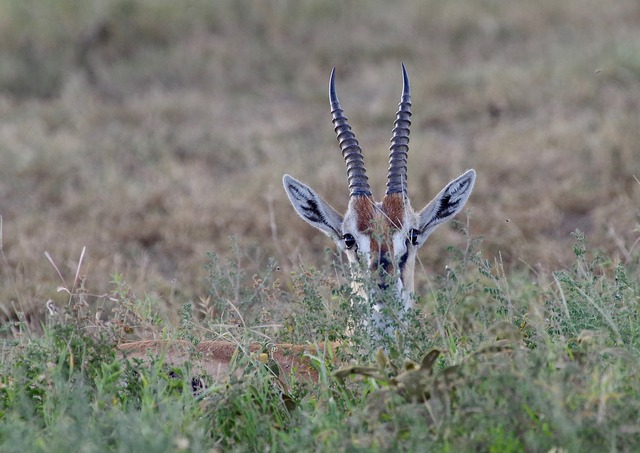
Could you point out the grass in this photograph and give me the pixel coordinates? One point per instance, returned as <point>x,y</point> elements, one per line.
<point>137,137</point>
<point>514,364</point>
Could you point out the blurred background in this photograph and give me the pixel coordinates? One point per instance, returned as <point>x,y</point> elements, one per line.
<point>152,132</point>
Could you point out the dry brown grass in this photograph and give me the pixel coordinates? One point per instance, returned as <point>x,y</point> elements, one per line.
<point>150,133</point>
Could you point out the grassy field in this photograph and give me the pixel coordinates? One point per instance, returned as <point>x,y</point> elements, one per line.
<point>143,145</point>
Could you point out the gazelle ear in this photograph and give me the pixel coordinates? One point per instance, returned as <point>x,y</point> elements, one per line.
<point>446,204</point>
<point>313,209</point>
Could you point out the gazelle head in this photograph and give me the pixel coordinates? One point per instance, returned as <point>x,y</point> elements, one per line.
<point>380,239</point>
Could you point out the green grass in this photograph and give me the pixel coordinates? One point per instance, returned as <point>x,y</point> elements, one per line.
<point>523,365</point>
<point>138,136</point>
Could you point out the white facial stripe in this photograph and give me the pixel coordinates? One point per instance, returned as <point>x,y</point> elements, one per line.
<point>399,244</point>
<point>363,242</point>
<point>364,247</point>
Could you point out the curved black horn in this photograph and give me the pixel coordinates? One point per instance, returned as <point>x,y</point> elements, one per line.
<point>397,179</point>
<point>351,151</point>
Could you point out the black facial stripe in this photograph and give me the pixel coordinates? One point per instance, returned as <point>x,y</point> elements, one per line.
<point>384,261</point>
<point>403,260</point>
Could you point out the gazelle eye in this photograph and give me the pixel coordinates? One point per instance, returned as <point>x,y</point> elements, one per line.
<point>413,236</point>
<point>349,241</point>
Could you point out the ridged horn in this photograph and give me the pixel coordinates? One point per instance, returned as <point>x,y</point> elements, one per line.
<point>351,151</point>
<point>397,179</point>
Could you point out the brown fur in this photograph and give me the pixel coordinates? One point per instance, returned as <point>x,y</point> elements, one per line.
<point>379,224</point>
<point>365,212</point>
<point>393,209</point>
<point>217,356</point>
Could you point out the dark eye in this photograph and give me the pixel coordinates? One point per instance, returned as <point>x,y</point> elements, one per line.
<point>413,236</point>
<point>349,241</point>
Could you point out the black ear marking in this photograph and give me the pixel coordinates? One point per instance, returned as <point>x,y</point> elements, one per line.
<point>450,202</point>
<point>307,204</point>
<point>312,212</point>
<point>446,207</point>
